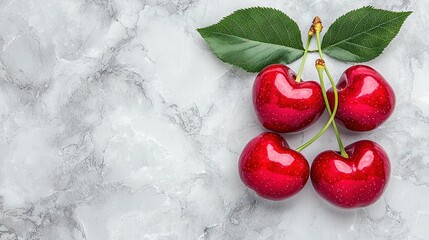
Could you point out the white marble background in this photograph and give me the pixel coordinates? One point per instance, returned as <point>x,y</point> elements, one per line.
<point>117,122</point>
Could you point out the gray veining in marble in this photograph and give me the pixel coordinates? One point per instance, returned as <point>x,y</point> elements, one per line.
<point>117,122</point>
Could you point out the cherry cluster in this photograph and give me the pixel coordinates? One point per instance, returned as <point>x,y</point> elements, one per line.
<point>355,176</point>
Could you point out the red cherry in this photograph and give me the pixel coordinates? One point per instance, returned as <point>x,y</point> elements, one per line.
<point>357,181</point>
<point>273,170</point>
<point>365,99</point>
<point>284,105</point>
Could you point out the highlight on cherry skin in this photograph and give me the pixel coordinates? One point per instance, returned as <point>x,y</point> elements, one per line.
<point>273,170</point>
<point>284,105</point>
<point>365,99</point>
<point>356,181</point>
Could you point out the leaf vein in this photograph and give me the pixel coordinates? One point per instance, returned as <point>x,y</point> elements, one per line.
<point>271,25</point>
<point>369,30</point>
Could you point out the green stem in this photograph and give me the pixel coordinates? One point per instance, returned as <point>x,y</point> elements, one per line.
<point>334,87</point>
<point>304,57</point>
<point>319,46</point>
<point>331,119</point>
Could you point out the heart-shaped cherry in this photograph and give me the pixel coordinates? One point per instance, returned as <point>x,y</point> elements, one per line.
<point>357,181</point>
<point>284,105</point>
<point>365,99</point>
<point>273,170</point>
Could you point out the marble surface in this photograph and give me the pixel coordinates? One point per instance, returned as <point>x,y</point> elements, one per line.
<point>117,122</point>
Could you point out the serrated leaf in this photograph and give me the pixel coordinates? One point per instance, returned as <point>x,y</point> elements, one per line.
<point>362,34</point>
<point>253,38</point>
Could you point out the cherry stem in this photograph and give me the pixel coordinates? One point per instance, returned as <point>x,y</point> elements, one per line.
<point>334,87</point>
<point>304,57</point>
<point>320,68</point>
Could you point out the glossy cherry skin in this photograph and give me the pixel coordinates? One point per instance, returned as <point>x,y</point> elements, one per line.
<point>365,99</point>
<point>284,105</point>
<point>273,170</point>
<point>357,181</point>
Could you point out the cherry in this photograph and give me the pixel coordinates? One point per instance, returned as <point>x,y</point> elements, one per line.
<point>283,104</point>
<point>365,99</point>
<point>356,181</point>
<point>273,170</point>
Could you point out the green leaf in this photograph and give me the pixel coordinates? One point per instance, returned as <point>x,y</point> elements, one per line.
<point>362,34</point>
<point>253,38</point>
